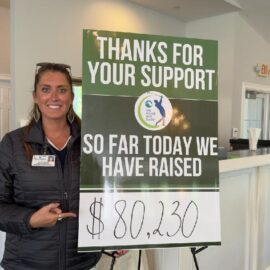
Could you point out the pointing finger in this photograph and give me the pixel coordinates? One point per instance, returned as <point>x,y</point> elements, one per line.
<point>60,216</point>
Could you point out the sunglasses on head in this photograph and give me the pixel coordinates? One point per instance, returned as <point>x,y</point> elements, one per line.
<point>56,66</point>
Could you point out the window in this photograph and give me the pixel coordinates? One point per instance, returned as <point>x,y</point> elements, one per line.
<point>77,90</point>
<point>256,109</point>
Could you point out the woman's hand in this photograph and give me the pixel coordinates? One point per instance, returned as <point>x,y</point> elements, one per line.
<point>48,215</point>
<point>120,252</point>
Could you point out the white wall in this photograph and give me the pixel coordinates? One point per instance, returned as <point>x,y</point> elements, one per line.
<point>4,104</point>
<point>52,31</point>
<point>251,49</point>
<point>240,49</point>
<point>5,41</point>
<point>221,28</point>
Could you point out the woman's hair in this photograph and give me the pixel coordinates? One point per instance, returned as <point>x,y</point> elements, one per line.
<point>42,68</point>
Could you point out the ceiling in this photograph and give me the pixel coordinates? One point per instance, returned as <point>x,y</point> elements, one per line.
<point>188,10</point>
<point>255,12</point>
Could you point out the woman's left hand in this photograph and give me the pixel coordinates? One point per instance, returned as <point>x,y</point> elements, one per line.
<point>120,252</point>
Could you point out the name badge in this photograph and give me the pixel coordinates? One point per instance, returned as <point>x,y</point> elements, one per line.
<point>43,161</point>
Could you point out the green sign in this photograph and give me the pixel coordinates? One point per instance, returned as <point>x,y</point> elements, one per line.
<point>149,166</point>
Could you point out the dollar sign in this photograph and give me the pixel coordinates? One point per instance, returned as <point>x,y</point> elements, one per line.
<point>97,226</point>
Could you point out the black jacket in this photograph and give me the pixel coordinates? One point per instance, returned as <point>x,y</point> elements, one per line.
<point>24,189</point>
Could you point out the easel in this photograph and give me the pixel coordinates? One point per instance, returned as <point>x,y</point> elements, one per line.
<point>194,251</point>
<point>110,255</point>
<point>114,258</point>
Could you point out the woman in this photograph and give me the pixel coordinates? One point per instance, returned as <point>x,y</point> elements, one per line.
<point>39,181</point>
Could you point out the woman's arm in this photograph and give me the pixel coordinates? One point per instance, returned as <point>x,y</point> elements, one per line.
<point>14,218</point>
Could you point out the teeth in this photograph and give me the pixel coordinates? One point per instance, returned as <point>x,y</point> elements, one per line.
<point>54,106</point>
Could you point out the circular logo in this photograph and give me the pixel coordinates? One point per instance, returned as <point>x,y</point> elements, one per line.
<point>153,110</point>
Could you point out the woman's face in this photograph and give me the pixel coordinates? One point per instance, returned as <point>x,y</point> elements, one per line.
<point>53,95</point>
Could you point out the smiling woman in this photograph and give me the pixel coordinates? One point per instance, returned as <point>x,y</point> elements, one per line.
<point>39,180</point>
<point>53,99</point>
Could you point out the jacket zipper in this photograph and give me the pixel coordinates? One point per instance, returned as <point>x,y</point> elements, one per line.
<point>65,207</point>
<point>64,204</point>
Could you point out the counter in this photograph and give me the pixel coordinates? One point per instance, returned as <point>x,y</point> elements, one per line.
<point>245,213</point>
<point>243,159</point>
<point>245,219</point>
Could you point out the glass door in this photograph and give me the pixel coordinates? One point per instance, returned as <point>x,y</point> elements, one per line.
<point>256,113</point>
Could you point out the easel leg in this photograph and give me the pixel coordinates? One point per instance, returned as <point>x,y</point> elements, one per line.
<point>194,251</point>
<point>139,260</point>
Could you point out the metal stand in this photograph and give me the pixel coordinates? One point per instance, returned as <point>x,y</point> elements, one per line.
<point>194,251</point>
<point>139,261</point>
<point>114,258</point>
